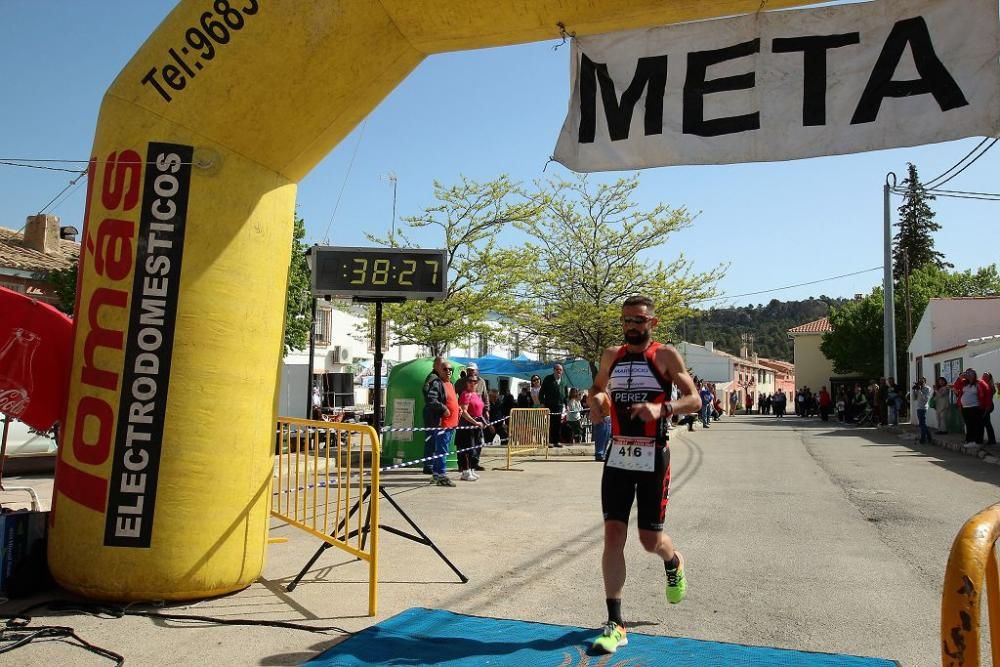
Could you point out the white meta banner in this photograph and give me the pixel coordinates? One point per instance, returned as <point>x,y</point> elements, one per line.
<point>784,85</point>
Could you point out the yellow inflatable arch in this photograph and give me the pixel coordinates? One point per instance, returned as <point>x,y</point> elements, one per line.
<point>164,472</point>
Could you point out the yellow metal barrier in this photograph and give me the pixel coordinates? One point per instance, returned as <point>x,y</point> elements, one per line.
<point>528,432</point>
<point>321,472</point>
<point>972,560</point>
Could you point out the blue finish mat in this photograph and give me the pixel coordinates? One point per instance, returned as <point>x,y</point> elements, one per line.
<point>435,637</point>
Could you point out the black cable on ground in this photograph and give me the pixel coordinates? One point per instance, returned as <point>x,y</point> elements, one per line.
<point>18,636</point>
<point>17,633</point>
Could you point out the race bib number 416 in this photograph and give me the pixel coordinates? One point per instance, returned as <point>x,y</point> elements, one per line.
<point>638,454</point>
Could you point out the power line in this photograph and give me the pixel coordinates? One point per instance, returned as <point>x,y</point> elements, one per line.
<point>971,162</point>
<point>37,166</point>
<point>957,194</point>
<point>24,162</point>
<point>361,135</point>
<point>930,184</point>
<point>32,159</point>
<point>778,289</point>
<point>66,196</point>
<point>68,186</point>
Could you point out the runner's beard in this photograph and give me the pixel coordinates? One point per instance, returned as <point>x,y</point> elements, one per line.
<point>636,337</point>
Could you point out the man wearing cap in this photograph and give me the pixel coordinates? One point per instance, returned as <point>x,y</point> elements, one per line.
<point>478,386</point>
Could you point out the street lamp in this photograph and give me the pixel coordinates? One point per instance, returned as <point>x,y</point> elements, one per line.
<point>310,261</point>
<point>391,178</point>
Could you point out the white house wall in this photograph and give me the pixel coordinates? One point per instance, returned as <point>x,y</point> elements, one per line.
<point>706,364</point>
<point>948,323</point>
<point>954,321</point>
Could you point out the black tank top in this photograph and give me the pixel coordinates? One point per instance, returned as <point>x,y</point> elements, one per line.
<point>634,378</point>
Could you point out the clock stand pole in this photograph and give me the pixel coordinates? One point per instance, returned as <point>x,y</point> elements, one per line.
<point>377,422</point>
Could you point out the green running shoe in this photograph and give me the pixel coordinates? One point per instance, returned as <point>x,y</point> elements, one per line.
<point>676,583</point>
<point>611,638</point>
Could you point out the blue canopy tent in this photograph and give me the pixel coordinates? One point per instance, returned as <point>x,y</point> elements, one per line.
<point>577,370</point>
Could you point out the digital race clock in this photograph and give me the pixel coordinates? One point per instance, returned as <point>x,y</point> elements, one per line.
<point>409,273</point>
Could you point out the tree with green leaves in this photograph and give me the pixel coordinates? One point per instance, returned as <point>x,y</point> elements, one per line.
<point>298,301</point>
<point>913,245</point>
<point>855,344</point>
<point>62,282</point>
<point>588,250</point>
<point>468,216</point>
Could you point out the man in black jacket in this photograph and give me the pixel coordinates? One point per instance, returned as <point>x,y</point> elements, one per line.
<point>553,396</point>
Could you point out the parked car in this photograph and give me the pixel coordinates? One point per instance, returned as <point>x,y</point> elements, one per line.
<point>22,440</point>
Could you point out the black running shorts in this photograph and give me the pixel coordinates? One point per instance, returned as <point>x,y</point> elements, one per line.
<point>652,490</point>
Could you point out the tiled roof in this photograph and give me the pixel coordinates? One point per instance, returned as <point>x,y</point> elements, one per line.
<point>13,254</point>
<point>777,364</point>
<point>821,325</point>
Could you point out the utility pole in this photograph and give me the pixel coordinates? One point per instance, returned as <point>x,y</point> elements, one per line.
<point>889,314</point>
<point>909,307</point>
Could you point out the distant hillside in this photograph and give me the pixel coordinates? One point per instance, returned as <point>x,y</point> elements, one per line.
<point>768,324</point>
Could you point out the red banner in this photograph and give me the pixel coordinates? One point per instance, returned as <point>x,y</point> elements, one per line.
<point>35,347</point>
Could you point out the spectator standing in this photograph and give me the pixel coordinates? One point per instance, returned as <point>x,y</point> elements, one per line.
<point>749,403</point>
<point>706,404</point>
<point>471,408</point>
<point>779,402</point>
<point>991,437</point>
<point>317,404</point>
<point>524,397</point>
<point>825,402</point>
<point>973,397</point>
<point>841,405</point>
<point>921,395</point>
<point>893,401</point>
<point>471,377</point>
<point>478,385</point>
<point>553,394</point>
<point>506,402</point>
<point>573,410</point>
<point>492,431</point>
<point>535,390</point>
<point>942,401</point>
<point>734,402</point>
<point>600,417</point>
<point>441,411</point>
<point>880,401</point>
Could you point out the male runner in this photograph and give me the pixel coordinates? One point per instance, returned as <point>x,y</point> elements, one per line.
<point>638,378</point>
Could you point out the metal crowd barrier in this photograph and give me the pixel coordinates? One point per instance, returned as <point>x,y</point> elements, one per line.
<point>528,432</point>
<point>321,473</point>
<point>972,560</point>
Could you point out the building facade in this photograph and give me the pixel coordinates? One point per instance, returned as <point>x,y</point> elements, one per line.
<point>744,374</point>
<point>812,368</point>
<point>953,335</point>
<point>27,258</point>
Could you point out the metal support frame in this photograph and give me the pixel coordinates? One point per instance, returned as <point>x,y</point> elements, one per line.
<point>419,538</point>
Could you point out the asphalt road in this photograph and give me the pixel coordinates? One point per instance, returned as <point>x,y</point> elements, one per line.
<point>796,534</point>
<point>815,536</point>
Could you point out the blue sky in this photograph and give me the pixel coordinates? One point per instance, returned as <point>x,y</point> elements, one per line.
<point>481,114</point>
